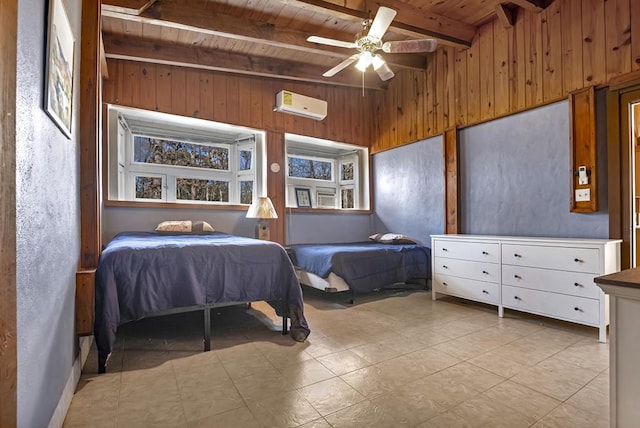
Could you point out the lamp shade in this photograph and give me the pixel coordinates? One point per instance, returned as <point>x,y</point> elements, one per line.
<point>262,208</point>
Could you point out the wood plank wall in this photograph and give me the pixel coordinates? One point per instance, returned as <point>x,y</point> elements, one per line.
<point>239,100</point>
<point>573,44</point>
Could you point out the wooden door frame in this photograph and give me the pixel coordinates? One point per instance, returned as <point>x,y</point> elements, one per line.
<point>8,309</point>
<point>619,177</point>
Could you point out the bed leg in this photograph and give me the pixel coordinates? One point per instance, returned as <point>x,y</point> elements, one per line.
<point>285,323</point>
<point>102,364</point>
<point>353,297</point>
<point>207,329</point>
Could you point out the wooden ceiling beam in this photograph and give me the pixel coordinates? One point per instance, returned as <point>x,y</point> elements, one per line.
<point>506,15</point>
<point>130,7</point>
<point>135,49</point>
<point>534,5</point>
<point>208,22</point>
<point>409,21</point>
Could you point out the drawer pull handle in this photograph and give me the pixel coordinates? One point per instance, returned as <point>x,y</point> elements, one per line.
<point>485,291</point>
<point>485,253</point>
<point>517,255</point>
<point>444,267</point>
<point>577,284</point>
<point>577,309</point>
<point>517,276</point>
<point>485,272</point>
<point>577,260</point>
<point>444,249</point>
<point>517,298</point>
<point>445,284</point>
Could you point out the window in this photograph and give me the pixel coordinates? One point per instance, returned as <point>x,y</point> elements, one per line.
<point>155,157</point>
<point>336,174</point>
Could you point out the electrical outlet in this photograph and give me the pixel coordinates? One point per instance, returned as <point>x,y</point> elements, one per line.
<point>583,195</point>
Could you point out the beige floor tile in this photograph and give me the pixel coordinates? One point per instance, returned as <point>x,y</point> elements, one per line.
<point>241,417</point>
<point>331,395</point>
<point>343,362</point>
<point>370,381</point>
<point>208,398</point>
<point>318,423</point>
<point>566,415</point>
<point>262,385</point>
<point>375,352</point>
<point>498,362</point>
<point>484,412</point>
<point>306,373</point>
<point>587,353</point>
<point>364,414</point>
<point>526,401</point>
<point>290,409</point>
<point>555,378</point>
<point>593,398</point>
<point>470,376</point>
<point>246,365</point>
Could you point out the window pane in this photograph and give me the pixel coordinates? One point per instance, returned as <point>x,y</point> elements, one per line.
<point>148,187</point>
<point>193,189</point>
<point>347,198</point>
<point>169,152</point>
<point>245,156</point>
<point>346,171</point>
<point>309,168</point>
<point>246,192</point>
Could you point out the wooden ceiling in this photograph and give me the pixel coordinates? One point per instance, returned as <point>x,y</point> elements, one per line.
<point>268,37</point>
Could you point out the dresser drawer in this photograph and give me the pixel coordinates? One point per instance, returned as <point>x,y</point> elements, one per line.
<point>486,292</point>
<point>481,271</point>
<point>475,251</point>
<point>557,281</point>
<point>570,308</point>
<point>560,258</point>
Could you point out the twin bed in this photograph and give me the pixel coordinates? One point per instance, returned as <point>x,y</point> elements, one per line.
<point>142,274</point>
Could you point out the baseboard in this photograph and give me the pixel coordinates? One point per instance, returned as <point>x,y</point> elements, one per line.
<point>72,382</point>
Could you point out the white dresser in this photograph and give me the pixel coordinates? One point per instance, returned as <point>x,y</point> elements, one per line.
<point>545,276</point>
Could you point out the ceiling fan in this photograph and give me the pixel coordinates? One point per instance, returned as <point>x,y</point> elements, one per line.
<point>368,43</point>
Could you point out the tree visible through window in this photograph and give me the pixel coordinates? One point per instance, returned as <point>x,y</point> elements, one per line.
<point>169,152</point>
<point>191,189</point>
<point>316,169</point>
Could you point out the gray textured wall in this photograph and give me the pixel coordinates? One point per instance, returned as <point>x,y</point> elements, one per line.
<point>408,184</point>
<point>515,176</point>
<point>48,223</point>
<point>322,228</point>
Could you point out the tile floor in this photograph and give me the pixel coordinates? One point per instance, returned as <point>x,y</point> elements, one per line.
<point>393,359</point>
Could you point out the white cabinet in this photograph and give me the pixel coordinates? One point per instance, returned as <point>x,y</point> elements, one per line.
<point>546,276</point>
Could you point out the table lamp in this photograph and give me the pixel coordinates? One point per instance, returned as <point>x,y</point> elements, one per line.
<point>262,209</point>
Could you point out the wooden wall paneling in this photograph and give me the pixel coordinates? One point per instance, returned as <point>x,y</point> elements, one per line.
<point>179,92</point>
<point>276,185</point>
<point>118,83</point>
<point>460,87</point>
<point>233,101</point>
<point>207,107</point>
<point>192,93</point>
<point>381,122</point>
<point>85,301</point>
<point>429,95</point>
<point>255,92</point>
<point>517,64</point>
<point>410,99</point>
<point>8,318</point>
<point>418,82</point>
<point>218,94</point>
<point>452,213</point>
<point>501,67</point>
<point>440,107</point>
<point>583,149</point>
<point>594,63</point>
<point>487,76</point>
<point>449,87</point>
<point>534,58</point>
<point>552,48</point>
<point>618,40</point>
<point>634,14</point>
<point>244,101</point>
<point>148,86</point>
<point>164,85</point>
<point>269,100</point>
<point>131,87</point>
<point>473,82</point>
<point>571,13</point>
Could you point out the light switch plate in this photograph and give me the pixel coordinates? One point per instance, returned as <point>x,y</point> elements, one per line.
<point>583,195</point>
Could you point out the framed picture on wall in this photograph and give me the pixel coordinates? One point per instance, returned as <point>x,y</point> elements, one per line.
<point>303,197</point>
<point>59,70</point>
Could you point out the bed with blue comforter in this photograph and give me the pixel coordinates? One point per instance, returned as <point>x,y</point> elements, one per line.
<point>142,273</point>
<point>364,266</point>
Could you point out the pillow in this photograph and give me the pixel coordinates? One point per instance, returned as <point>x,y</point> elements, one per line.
<point>184,226</point>
<point>392,238</point>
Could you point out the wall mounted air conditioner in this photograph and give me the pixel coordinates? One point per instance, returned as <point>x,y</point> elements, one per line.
<point>288,102</point>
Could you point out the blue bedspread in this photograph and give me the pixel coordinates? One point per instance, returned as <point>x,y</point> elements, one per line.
<point>140,273</point>
<point>365,266</point>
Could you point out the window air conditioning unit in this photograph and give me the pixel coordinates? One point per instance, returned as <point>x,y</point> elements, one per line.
<point>300,105</point>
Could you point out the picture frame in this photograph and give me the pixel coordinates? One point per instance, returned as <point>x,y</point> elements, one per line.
<point>59,68</point>
<point>303,197</point>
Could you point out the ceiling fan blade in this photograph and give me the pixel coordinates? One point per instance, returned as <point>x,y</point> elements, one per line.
<point>330,42</point>
<point>344,64</point>
<point>410,46</point>
<point>381,22</point>
<point>384,72</point>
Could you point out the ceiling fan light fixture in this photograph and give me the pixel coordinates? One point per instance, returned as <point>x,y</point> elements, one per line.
<point>377,61</point>
<point>365,60</point>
